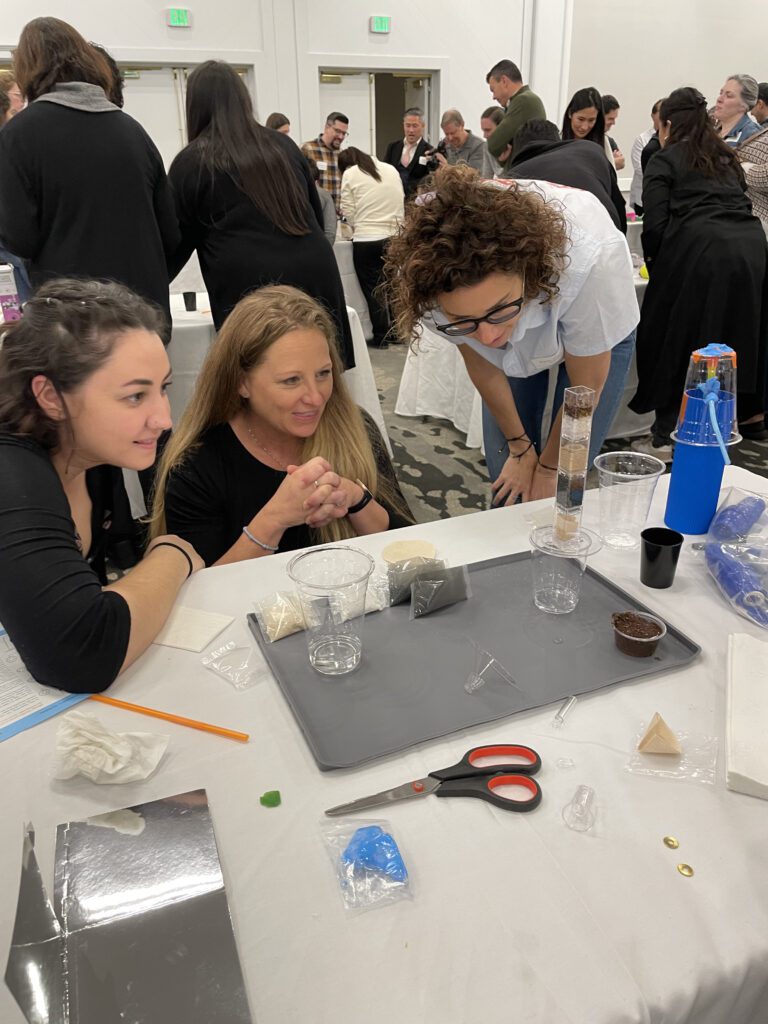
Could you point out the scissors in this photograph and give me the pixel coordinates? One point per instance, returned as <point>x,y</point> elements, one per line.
<point>468,778</point>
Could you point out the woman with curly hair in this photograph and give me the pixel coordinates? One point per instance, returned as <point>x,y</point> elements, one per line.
<point>521,276</point>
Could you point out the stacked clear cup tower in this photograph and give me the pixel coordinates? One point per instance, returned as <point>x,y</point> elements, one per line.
<point>559,552</point>
<point>578,408</point>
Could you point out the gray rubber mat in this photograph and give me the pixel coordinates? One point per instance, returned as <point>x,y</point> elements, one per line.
<point>409,686</point>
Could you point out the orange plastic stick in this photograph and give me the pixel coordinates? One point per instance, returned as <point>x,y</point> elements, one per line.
<point>192,723</point>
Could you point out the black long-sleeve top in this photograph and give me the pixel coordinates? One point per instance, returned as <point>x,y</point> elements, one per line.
<point>220,487</point>
<point>69,632</point>
<point>240,249</point>
<point>85,194</point>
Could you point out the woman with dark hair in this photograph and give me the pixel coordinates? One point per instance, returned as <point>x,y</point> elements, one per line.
<point>83,191</point>
<point>522,276</point>
<point>706,255</point>
<point>117,79</point>
<point>279,123</point>
<point>272,452</point>
<point>247,203</point>
<point>83,380</point>
<point>584,119</point>
<point>372,199</point>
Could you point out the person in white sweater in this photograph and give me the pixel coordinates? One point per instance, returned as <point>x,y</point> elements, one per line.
<point>372,201</point>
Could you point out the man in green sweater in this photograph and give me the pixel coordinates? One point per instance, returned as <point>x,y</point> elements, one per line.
<point>520,105</point>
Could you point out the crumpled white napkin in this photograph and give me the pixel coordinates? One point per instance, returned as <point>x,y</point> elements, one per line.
<point>86,747</point>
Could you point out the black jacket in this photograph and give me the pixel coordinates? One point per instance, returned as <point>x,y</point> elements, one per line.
<point>706,255</point>
<point>575,162</point>
<point>415,171</point>
<point>84,194</point>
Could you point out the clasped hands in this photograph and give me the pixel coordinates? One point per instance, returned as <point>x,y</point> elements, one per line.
<point>314,494</point>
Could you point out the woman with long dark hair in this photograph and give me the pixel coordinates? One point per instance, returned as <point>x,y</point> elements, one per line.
<point>83,382</point>
<point>247,203</point>
<point>706,255</point>
<point>584,119</point>
<point>372,201</point>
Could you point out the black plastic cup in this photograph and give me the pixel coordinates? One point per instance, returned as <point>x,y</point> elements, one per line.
<point>659,552</point>
<point>190,301</point>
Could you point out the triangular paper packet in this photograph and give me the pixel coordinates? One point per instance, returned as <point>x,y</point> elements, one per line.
<point>659,738</point>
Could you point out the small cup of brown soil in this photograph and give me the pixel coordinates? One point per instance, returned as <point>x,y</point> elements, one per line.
<point>637,633</point>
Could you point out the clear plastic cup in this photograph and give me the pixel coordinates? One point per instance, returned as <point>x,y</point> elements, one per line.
<point>557,568</point>
<point>627,482</point>
<point>331,583</point>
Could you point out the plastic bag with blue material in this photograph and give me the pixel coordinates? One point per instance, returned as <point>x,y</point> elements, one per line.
<point>368,863</point>
<point>736,553</point>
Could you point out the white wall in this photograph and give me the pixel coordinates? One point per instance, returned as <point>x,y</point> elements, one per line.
<point>286,41</point>
<point>640,51</point>
<point>446,36</point>
<point>131,29</point>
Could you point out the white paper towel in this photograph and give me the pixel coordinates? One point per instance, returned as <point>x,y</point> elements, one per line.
<point>86,747</point>
<point>191,629</point>
<point>747,715</point>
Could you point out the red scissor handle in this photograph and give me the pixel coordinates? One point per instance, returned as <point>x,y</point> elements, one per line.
<point>482,788</point>
<point>500,758</point>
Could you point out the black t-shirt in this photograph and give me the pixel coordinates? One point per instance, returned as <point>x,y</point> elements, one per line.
<point>220,487</point>
<point>70,633</point>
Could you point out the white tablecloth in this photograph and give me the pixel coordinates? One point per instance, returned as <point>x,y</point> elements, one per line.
<point>353,293</point>
<point>514,916</point>
<point>190,279</point>
<point>192,336</point>
<point>435,383</point>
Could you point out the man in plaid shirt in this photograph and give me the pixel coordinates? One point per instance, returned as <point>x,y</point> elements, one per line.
<point>324,151</point>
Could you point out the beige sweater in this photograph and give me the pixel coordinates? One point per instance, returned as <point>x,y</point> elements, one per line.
<point>374,209</point>
<point>755,151</point>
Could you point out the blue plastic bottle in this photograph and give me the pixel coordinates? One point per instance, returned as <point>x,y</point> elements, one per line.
<point>694,487</point>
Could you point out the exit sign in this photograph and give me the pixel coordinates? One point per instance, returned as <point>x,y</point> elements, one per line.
<point>380,23</point>
<point>178,17</point>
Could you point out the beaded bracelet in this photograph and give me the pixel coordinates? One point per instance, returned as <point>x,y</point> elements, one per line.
<point>265,547</point>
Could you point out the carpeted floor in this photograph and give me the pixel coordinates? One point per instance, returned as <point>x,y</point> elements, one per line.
<point>440,476</point>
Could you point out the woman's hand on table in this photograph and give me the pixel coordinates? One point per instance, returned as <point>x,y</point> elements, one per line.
<point>515,479</point>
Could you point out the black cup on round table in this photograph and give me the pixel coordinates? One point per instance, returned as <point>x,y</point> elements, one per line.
<point>659,552</point>
<point>190,301</point>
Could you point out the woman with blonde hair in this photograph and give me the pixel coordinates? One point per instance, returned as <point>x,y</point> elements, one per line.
<point>271,452</point>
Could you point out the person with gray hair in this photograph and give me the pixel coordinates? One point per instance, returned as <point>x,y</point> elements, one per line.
<point>737,97</point>
<point>461,146</point>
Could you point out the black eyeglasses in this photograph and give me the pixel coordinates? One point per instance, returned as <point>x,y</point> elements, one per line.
<point>461,328</point>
